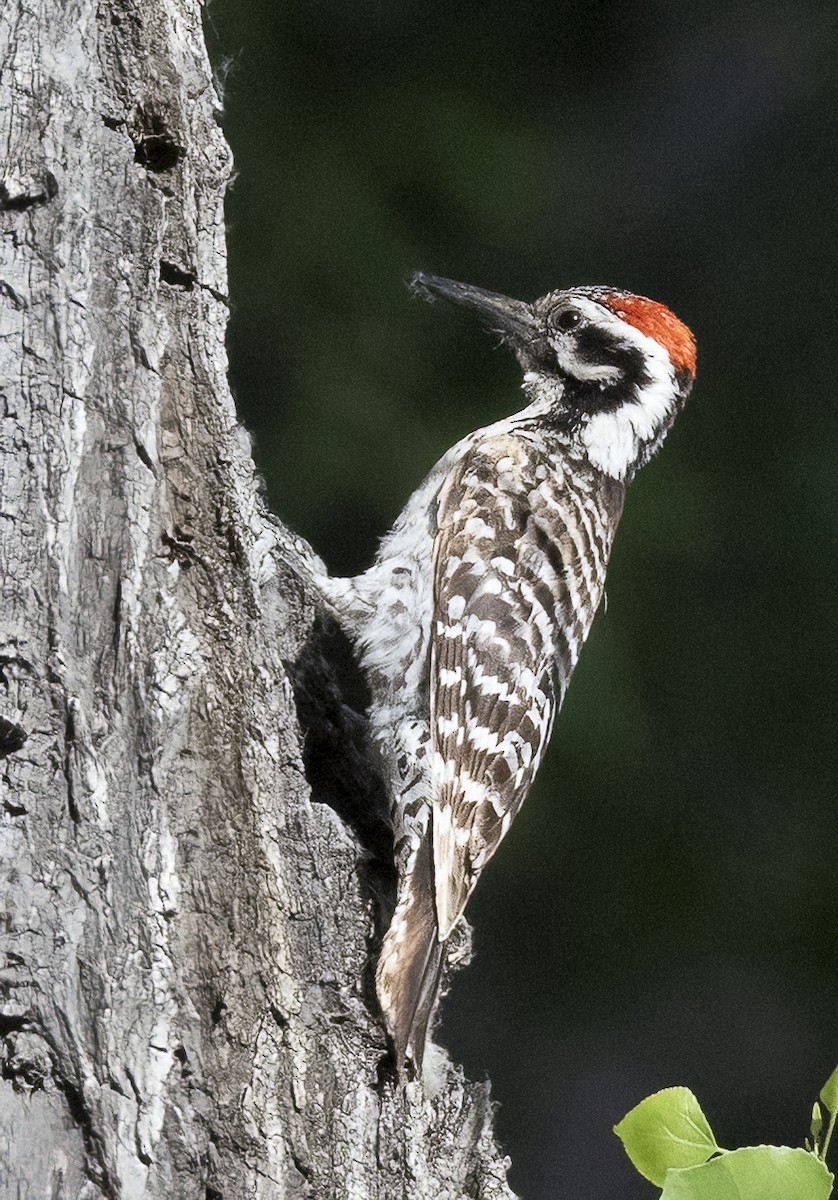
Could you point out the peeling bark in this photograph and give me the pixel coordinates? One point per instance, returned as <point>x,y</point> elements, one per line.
<point>185,1006</point>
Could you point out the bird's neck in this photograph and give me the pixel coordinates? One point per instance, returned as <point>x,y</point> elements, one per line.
<point>614,439</point>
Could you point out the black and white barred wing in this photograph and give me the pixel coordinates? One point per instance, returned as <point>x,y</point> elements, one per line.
<point>496,652</point>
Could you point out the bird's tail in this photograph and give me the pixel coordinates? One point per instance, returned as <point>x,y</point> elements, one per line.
<point>409,971</point>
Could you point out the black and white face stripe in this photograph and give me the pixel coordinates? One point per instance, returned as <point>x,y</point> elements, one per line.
<point>596,349</point>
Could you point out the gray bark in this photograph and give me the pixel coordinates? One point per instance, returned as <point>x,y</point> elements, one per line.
<point>185,1005</point>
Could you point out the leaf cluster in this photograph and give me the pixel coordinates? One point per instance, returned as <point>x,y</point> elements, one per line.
<point>670,1142</point>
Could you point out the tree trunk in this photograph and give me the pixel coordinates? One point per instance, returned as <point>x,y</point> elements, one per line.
<point>185,1001</point>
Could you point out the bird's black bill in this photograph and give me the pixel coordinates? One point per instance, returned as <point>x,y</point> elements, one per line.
<point>512,319</point>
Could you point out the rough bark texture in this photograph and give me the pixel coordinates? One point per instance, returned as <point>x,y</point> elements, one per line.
<point>184,986</point>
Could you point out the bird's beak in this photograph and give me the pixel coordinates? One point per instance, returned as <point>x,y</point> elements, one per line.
<point>512,319</point>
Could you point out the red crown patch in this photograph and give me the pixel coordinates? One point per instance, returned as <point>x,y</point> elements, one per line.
<point>656,321</point>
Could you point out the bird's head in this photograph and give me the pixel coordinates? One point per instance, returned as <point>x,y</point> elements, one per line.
<point>609,368</point>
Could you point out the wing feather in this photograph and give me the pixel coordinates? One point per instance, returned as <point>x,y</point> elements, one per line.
<point>494,650</point>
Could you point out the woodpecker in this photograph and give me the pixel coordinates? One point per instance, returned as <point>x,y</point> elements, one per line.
<point>470,621</point>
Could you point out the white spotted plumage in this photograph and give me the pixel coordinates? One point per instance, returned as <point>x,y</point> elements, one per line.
<point>471,620</point>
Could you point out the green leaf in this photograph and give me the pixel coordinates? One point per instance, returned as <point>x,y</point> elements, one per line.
<point>754,1173</point>
<point>666,1130</point>
<point>829,1092</point>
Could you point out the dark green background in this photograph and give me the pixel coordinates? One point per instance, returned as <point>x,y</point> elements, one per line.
<point>664,910</point>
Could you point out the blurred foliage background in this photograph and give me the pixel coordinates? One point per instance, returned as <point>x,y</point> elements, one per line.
<point>664,909</point>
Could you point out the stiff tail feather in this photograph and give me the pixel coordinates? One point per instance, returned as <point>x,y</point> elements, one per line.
<point>409,971</point>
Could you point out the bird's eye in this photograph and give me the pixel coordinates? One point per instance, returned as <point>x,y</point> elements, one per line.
<point>567,319</point>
